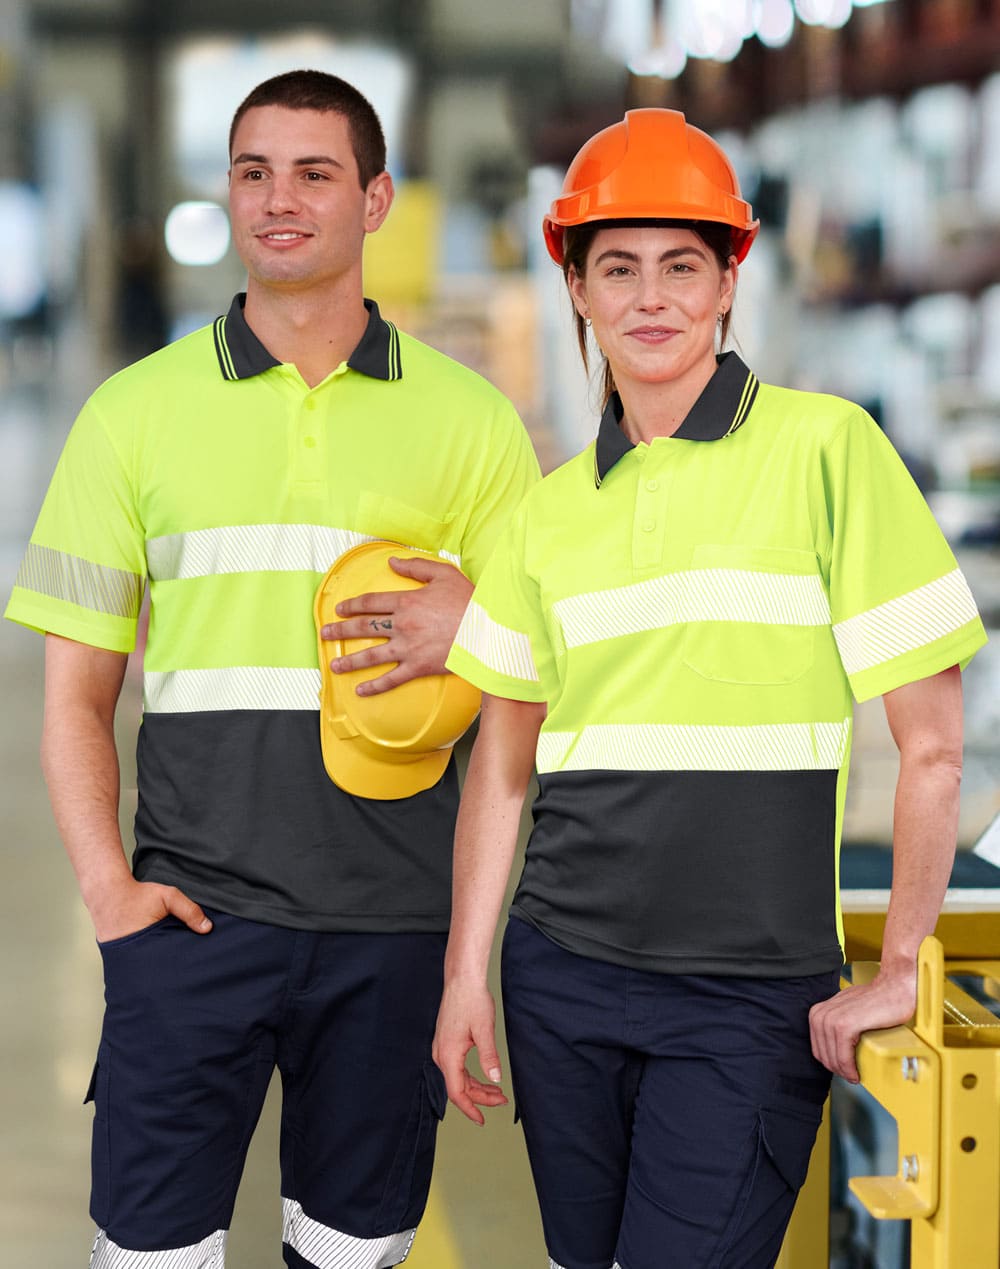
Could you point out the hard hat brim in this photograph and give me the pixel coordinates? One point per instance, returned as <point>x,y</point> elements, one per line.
<point>365,777</point>
<point>554,230</point>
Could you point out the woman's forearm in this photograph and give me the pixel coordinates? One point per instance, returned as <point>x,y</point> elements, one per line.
<point>486,833</point>
<point>928,729</point>
<point>925,719</point>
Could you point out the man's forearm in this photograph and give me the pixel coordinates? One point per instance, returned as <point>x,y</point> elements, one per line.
<point>81,769</point>
<point>80,762</point>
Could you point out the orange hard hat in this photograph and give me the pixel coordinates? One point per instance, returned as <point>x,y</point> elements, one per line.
<point>397,743</point>
<point>653,165</point>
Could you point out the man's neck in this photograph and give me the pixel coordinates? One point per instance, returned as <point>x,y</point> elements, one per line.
<point>314,331</point>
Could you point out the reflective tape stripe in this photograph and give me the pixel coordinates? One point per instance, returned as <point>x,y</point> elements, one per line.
<point>234,687</point>
<point>680,747</point>
<point>498,647</point>
<point>911,621</point>
<point>553,1265</point>
<point>253,548</point>
<point>551,749</point>
<point>710,594</point>
<point>328,1248</point>
<point>248,548</point>
<point>68,577</point>
<point>210,1253</point>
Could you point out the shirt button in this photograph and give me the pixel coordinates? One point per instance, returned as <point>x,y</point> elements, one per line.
<point>309,442</point>
<point>310,403</point>
<point>652,485</point>
<point>648,526</point>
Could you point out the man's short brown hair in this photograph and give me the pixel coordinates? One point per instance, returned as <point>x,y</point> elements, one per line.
<point>316,90</point>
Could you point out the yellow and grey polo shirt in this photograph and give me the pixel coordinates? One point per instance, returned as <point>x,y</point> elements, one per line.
<point>214,474</point>
<point>698,613</point>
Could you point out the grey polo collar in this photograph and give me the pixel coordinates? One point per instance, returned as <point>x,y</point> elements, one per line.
<point>242,355</point>
<point>723,406</point>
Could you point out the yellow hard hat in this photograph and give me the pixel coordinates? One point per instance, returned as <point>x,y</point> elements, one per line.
<point>396,743</point>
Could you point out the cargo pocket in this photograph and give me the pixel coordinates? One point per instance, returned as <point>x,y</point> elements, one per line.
<point>757,610</point>
<point>788,1141</point>
<point>409,1179</point>
<point>777,1170</point>
<point>100,1145</point>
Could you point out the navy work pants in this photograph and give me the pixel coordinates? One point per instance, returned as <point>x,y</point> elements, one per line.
<point>194,1027</point>
<point>669,1118</point>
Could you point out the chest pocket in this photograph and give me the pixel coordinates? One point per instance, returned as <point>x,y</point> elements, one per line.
<point>756,613</point>
<point>395,521</point>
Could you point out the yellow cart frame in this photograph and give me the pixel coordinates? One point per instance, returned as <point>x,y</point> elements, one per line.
<point>939,1077</point>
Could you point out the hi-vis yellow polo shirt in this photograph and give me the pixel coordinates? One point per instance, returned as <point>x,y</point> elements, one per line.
<point>698,613</point>
<point>213,474</point>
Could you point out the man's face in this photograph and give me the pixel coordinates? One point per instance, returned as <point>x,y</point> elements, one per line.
<point>298,212</point>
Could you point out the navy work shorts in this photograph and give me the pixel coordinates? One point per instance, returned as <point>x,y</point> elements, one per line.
<point>195,1025</point>
<point>669,1118</point>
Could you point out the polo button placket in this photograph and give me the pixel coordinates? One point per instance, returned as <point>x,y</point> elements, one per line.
<point>648,536</point>
<point>308,450</point>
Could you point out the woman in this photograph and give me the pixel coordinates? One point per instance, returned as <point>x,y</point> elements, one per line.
<point>673,629</point>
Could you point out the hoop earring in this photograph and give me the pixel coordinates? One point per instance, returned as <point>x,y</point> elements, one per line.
<point>587,322</point>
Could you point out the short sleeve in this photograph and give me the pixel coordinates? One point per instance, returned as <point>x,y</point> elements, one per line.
<point>510,469</point>
<point>83,573</point>
<point>502,645</point>
<point>901,607</point>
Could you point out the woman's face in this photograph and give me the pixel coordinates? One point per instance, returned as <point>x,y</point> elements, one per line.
<point>654,295</point>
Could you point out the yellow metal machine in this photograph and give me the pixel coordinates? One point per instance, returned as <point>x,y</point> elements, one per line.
<point>939,1077</point>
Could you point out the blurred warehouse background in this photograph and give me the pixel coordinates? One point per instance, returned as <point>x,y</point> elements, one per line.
<point>867,136</point>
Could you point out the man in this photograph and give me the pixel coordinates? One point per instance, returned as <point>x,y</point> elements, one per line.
<point>269,917</point>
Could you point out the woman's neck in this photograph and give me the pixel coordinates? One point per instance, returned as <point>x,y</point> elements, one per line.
<point>658,409</point>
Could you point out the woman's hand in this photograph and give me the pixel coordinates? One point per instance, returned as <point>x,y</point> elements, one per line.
<point>467,1020</point>
<point>836,1025</point>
